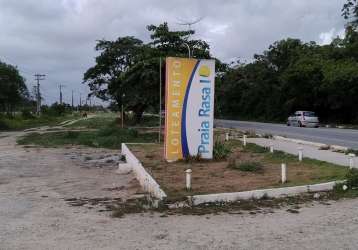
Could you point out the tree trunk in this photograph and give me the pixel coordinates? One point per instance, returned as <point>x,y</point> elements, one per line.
<point>138,111</point>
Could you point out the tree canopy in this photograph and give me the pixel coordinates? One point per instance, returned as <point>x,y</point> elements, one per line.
<point>127,70</point>
<point>290,75</point>
<point>13,88</point>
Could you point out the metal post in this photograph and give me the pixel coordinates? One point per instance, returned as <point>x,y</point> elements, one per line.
<point>187,45</point>
<point>271,147</point>
<point>160,99</point>
<point>188,179</point>
<point>283,173</point>
<point>300,153</point>
<point>122,115</point>
<point>245,140</point>
<point>227,137</point>
<point>351,160</point>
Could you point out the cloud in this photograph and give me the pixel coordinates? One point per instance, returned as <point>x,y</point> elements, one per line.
<point>57,38</point>
<point>327,37</point>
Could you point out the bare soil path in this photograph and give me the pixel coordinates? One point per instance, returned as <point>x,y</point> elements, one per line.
<point>34,215</point>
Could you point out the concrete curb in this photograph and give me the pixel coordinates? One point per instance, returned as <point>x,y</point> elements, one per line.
<point>145,179</point>
<point>258,194</point>
<point>315,144</point>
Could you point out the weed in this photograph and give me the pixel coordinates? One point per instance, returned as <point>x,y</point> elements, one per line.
<point>352,178</point>
<point>193,158</point>
<point>221,150</point>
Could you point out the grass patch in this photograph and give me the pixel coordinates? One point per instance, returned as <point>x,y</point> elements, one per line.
<point>322,171</point>
<point>20,123</point>
<point>253,148</point>
<point>221,150</point>
<point>97,122</point>
<point>108,137</point>
<point>247,166</point>
<point>113,119</point>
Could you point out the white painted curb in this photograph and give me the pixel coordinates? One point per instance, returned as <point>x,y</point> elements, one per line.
<point>145,179</point>
<point>315,144</point>
<point>258,194</point>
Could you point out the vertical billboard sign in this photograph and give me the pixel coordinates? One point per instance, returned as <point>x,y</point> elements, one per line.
<point>189,108</point>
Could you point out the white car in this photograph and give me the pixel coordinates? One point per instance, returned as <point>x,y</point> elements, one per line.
<point>303,119</point>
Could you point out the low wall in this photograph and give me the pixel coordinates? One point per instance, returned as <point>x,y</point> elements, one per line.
<point>257,194</point>
<point>145,179</point>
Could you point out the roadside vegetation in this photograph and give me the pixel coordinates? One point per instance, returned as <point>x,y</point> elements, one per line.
<point>103,138</point>
<point>102,120</point>
<point>102,131</point>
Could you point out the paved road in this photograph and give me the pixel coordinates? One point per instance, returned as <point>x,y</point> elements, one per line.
<point>332,136</point>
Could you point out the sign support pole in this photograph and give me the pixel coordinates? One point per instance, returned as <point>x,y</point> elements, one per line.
<point>160,99</point>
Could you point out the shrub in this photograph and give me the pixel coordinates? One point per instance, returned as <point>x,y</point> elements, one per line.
<point>221,150</point>
<point>352,178</point>
<point>3,124</point>
<point>26,114</point>
<point>71,134</point>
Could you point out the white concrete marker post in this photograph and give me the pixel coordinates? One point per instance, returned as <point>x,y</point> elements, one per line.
<point>245,140</point>
<point>271,147</point>
<point>226,136</point>
<point>283,173</point>
<point>351,160</point>
<point>188,179</point>
<point>300,153</point>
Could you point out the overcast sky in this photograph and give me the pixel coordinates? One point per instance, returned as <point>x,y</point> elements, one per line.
<point>57,37</point>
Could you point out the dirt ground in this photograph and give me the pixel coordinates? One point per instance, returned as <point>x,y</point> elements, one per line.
<point>217,177</point>
<point>34,215</point>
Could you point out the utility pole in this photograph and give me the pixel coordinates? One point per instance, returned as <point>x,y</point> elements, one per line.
<point>80,101</point>
<point>72,100</point>
<point>38,78</point>
<point>60,86</point>
<point>89,108</point>
<point>122,111</point>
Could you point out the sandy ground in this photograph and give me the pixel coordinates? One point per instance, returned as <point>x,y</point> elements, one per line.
<point>34,214</point>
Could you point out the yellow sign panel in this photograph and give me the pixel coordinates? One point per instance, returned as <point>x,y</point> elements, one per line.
<point>189,107</point>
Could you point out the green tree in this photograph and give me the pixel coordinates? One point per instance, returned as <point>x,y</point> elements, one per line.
<point>13,88</point>
<point>105,79</point>
<point>350,12</point>
<point>127,70</point>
